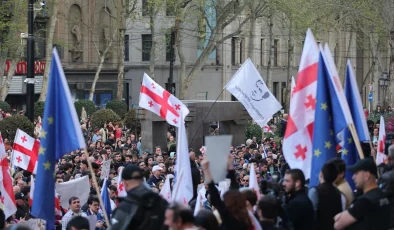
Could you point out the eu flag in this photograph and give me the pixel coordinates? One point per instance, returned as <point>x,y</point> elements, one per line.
<point>329,121</point>
<point>61,134</point>
<point>349,151</point>
<point>105,198</point>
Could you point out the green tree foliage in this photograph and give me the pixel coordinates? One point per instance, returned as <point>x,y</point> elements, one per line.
<point>9,125</point>
<point>118,106</point>
<point>39,109</point>
<point>253,130</point>
<point>89,106</point>
<point>102,116</point>
<point>5,106</point>
<point>131,121</point>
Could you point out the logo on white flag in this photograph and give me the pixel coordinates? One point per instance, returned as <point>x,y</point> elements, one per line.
<point>260,92</point>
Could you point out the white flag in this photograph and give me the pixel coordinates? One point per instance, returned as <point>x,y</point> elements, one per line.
<point>253,183</point>
<point>120,186</point>
<point>250,89</point>
<point>79,188</point>
<point>159,101</point>
<point>183,189</point>
<point>166,190</point>
<point>7,197</point>
<point>380,156</point>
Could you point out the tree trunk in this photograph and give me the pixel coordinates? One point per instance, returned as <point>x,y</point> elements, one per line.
<point>119,94</point>
<point>7,83</point>
<point>251,46</point>
<point>271,52</point>
<point>102,59</point>
<point>48,50</point>
<point>290,52</point>
<point>3,60</point>
<point>153,47</point>
<point>179,50</point>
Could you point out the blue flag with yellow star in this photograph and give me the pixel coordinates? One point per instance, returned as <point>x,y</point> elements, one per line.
<point>61,134</point>
<point>329,121</point>
<point>349,151</point>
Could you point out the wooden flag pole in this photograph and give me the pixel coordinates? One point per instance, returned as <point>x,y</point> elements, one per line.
<point>97,188</point>
<point>356,140</point>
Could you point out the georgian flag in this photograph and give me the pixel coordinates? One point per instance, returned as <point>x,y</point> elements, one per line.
<point>7,197</point>
<point>166,190</point>
<point>120,186</point>
<point>159,101</point>
<point>25,151</point>
<point>380,156</point>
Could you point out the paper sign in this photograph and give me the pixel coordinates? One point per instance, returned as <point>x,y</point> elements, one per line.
<point>217,154</point>
<point>79,188</point>
<point>92,221</point>
<point>105,168</point>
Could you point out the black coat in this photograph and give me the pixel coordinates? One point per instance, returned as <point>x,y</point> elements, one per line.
<point>300,211</point>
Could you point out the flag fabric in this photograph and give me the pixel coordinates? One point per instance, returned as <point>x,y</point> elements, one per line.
<point>7,197</point>
<point>293,85</point>
<point>78,187</point>
<point>253,183</point>
<point>58,209</point>
<point>120,186</point>
<point>329,121</point>
<point>183,189</point>
<point>380,156</point>
<point>160,102</point>
<point>297,142</point>
<point>250,89</point>
<point>166,190</point>
<point>61,134</point>
<point>105,198</point>
<point>349,151</point>
<point>268,129</point>
<point>25,151</point>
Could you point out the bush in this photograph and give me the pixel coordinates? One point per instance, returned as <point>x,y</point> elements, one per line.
<point>118,106</point>
<point>5,106</point>
<point>89,106</point>
<point>253,130</point>
<point>39,109</point>
<point>103,116</point>
<point>9,125</point>
<point>131,121</point>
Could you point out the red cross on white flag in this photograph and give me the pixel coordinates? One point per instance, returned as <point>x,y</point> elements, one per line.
<point>25,151</point>
<point>7,197</point>
<point>166,190</point>
<point>120,186</point>
<point>159,101</point>
<point>381,157</point>
<point>297,143</point>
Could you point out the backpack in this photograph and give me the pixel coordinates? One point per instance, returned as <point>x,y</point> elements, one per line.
<point>150,213</point>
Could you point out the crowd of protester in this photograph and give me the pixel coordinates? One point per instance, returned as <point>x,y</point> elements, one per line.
<point>284,200</point>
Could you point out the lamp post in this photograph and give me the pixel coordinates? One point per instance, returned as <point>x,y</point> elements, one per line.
<point>384,82</point>
<point>30,63</point>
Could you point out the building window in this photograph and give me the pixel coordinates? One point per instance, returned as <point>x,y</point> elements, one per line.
<point>126,47</point>
<point>233,50</point>
<point>146,46</point>
<point>145,7</point>
<point>168,47</point>
<point>275,87</point>
<point>241,51</point>
<point>170,9</point>
<point>262,52</point>
<point>276,52</point>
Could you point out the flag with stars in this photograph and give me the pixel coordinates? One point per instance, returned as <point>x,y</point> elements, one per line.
<point>349,151</point>
<point>329,121</point>
<point>61,134</point>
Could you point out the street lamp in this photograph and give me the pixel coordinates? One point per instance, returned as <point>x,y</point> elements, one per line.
<point>384,82</point>
<point>30,62</point>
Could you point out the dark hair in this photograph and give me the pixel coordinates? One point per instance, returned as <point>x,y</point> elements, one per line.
<point>78,222</point>
<point>339,164</point>
<point>112,188</point>
<point>236,206</point>
<point>92,199</point>
<point>181,212</point>
<point>72,199</point>
<point>250,196</point>
<point>297,174</point>
<point>206,219</point>
<point>269,207</point>
<point>2,219</point>
<point>329,172</point>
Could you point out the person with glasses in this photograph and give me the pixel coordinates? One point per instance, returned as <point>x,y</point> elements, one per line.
<point>93,210</point>
<point>245,181</point>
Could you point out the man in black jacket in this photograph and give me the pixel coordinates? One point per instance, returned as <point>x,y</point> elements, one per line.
<point>298,206</point>
<point>196,175</point>
<point>142,208</point>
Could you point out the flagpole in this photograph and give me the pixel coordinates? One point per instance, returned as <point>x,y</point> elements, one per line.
<point>97,188</point>
<point>356,140</point>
